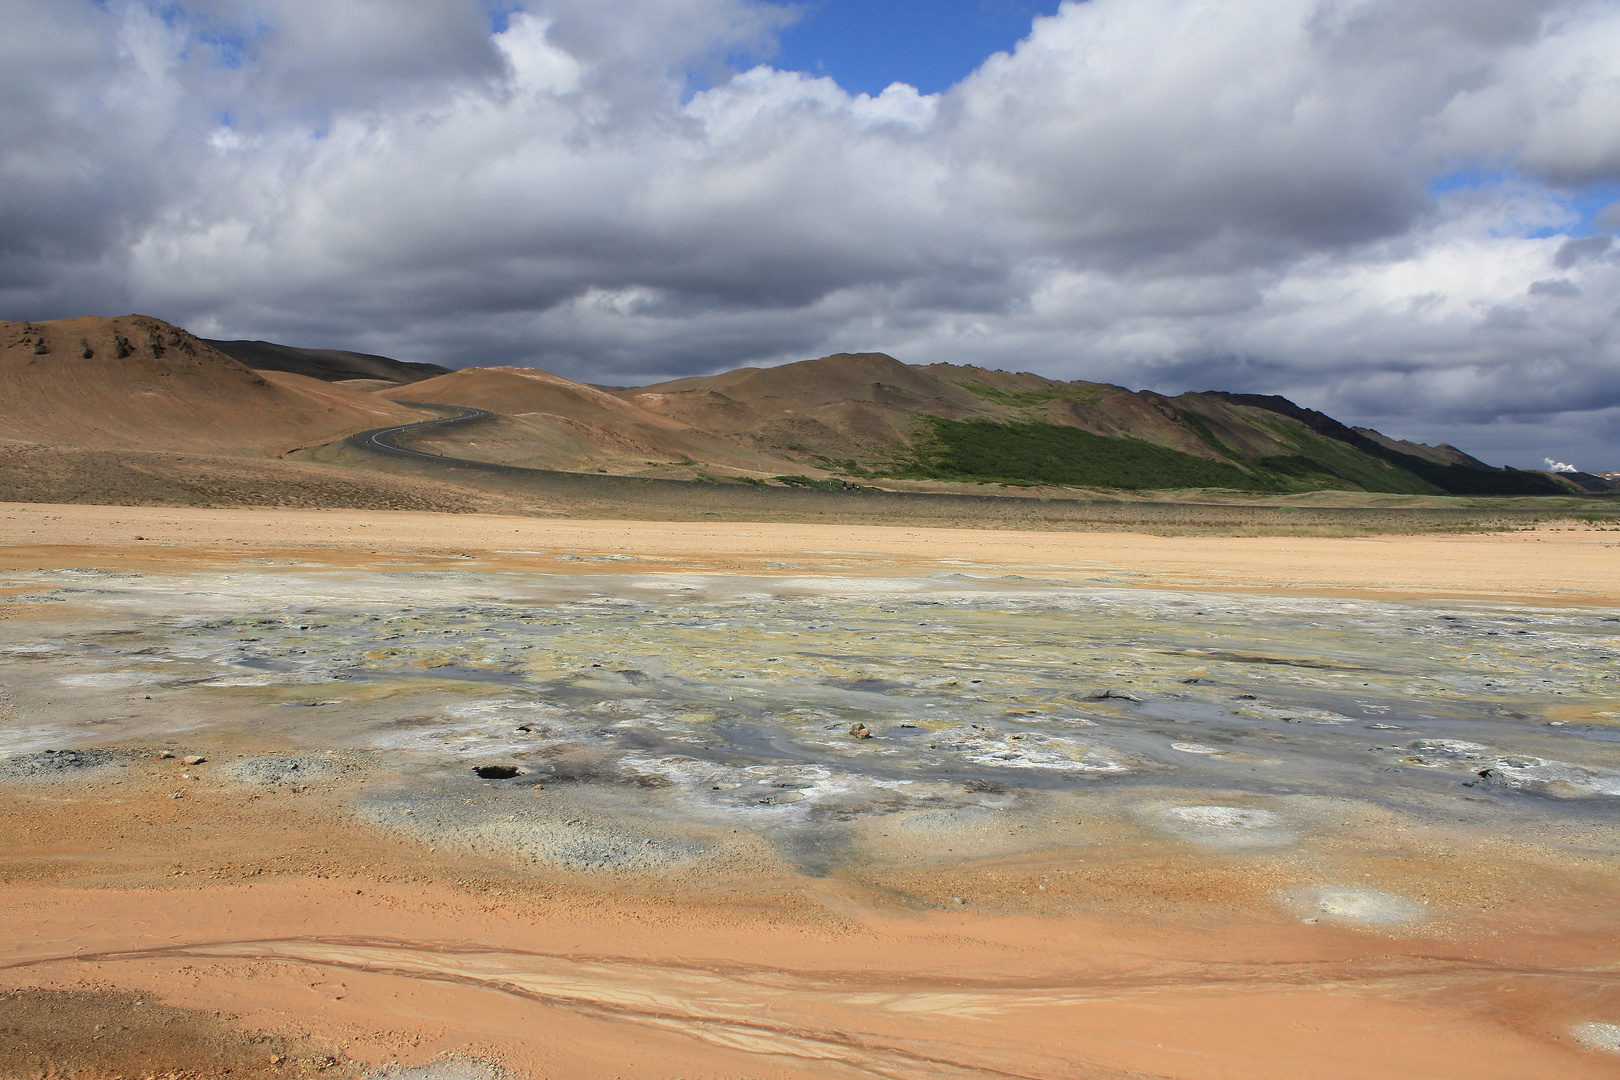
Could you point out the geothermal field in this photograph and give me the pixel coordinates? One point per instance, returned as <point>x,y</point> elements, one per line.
<point>457,796</point>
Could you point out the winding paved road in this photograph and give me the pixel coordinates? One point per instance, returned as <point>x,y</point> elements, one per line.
<point>385,440</point>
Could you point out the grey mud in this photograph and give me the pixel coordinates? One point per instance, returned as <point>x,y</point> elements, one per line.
<point>650,722</point>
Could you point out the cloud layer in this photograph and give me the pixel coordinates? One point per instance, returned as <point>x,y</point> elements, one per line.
<point>1398,211</point>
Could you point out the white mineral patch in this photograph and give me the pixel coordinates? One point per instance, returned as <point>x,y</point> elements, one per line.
<point>753,785</point>
<point>1366,906</point>
<point>1598,1036</point>
<point>1020,750</point>
<point>114,678</point>
<point>1224,817</point>
<point>1058,754</point>
<point>1301,715</point>
<point>1195,748</point>
<point>271,678</point>
<point>486,729</point>
<point>1555,777</point>
<point>22,740</point>
<point>1455,747</point>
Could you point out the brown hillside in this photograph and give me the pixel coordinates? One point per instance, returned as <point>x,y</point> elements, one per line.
<point>805,416</point>
<point>139,383</point>
<point>562,424</point>
<point>1443,454</point>
<point>846,406</point>
<point>871,377</point>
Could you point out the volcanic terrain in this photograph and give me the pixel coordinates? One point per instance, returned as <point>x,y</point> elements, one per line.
<point>140,383</point>
<point>133,409</point>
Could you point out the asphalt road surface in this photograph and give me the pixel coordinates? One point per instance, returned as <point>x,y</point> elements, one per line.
<point>384,439</point>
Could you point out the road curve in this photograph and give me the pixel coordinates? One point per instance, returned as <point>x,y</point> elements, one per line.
<point>384,440</point>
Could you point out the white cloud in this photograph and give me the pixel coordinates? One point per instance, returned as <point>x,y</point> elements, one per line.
<point>1186,194</point>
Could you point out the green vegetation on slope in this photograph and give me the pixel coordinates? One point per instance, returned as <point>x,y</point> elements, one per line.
<point>1322,462</point>
<point>1450,479</point>
<point>1041,453</point>
<point>1081,392</point>
<point>1201,429</point>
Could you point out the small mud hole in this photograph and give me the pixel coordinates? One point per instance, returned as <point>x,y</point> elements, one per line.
<point>496,772</point>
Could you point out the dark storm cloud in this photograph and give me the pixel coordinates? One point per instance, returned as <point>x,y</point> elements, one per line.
<point>1260,195</point>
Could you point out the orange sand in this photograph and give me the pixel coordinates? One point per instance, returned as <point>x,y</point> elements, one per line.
<point>400,954</point>
<point>1547,565</point>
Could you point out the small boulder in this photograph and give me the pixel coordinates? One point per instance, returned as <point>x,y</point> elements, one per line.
<point>193,759</point>
<point>860,731</point>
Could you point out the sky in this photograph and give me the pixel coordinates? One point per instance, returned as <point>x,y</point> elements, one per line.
<point>931,45</point>
<point>1400,212</point>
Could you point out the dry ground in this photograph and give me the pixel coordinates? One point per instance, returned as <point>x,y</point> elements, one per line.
<point>267,934</point>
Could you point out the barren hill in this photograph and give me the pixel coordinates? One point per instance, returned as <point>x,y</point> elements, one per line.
<point>552,422</point>
<point>328,365</point>
<point>139,383</point>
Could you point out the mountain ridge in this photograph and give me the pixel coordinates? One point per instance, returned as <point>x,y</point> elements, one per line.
<point>839,420</point>
<point>328,365</point>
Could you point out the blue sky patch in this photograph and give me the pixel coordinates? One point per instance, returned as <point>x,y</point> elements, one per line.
<point>931,44</point>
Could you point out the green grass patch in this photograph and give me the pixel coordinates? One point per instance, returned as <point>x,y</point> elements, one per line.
<point>1320,462</point>
<point>1201,429</point>
<point>1025,398</point>
<point>1041,453</point>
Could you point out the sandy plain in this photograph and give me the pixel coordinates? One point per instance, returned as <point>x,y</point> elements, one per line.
<point>1259,898</point>
<point>1564,560</point>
